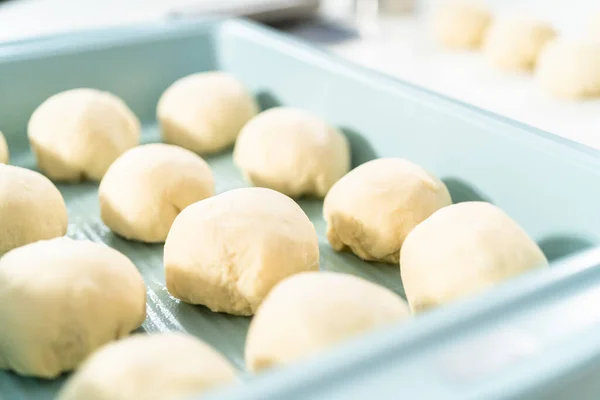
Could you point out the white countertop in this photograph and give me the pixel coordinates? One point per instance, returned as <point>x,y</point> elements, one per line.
<point>403,49</point>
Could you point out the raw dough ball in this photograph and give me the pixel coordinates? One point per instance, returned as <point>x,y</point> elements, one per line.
<point>570,69</point>
<point>144,190</point>
<point>311,311</point>
<point>60,300</point>
<point>3,150</point>
<point>372,209</point>
<point>204,112</point>
<point>293,152</point>
<point>31,208</point>
<point>461,24</point>
<point>77,134</point>
<point>228,251</point>
<point>463,249</point>
<point>514,44</point>
<point>149,367</point>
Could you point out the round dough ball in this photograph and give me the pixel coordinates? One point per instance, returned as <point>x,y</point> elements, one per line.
<point>372,209</point>
<point>60,300</point>
<point>461,24</point>
<point>514,44</point>
<point>570,69</point>
<point>3,150</point>
<point>311,311</point>
<point>31,208</point>
<point>463,249</point>
<point>228,251</point>
<point>293,152</point>
<point>148,186</point>
<point>204,112</point>
<point>149,367</point>
<point>78,133</point>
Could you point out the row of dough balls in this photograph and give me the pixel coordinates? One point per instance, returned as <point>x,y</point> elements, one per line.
<point>564,68</point>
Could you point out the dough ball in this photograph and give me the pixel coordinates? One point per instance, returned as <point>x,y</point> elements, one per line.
<point>77,134</point>
<point>311,311</point>
<point>461,24</point>
<point>228,251</point>
<point>60,300</point>
<point>293,152</point>
<point>372,209</point>
<point>570,69</point>
<point>31,208</point>
<point>148,186</point>
<point>463,249</point>
<point>3,150</point>
<point>514,44</point>
<point>149,367</point>
<point>204,112</point>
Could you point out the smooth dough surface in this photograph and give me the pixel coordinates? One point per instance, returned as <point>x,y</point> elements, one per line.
<point>228,251</point>
<point>148,186</point>
<point>31,208</point>
<point>570,69</point>
<point>372,208</point>
<point>163,366</point>
<point>461,24</point>
<point>4,155</point>
<point>60,300</point>
<point>513,44</point>
<point>292,151</point>
<point>78,133</point>
<point>204,112</point>
<point>463,249</point>
<point>312,311</point>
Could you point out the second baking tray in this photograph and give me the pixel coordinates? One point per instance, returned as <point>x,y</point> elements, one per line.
<point>550,186</point>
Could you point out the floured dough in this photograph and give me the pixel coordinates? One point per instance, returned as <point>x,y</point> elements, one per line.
<point>31,208</point>
<point>167,366</point>
<point>78,133</point>
<point>204,112</point>
<point>513,44</point>
<point>311,311</point>
<point>570,69</point>
<point>228,251</point>
<point>292,151</point>
<point>4,155</point>
<point>372,209</point>
<point>463,249</point>
<point>146,188</point>
<point>60,300</point>
<point>461,23</point>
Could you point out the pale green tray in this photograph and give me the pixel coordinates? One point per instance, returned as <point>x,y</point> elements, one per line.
<point>549,185</point>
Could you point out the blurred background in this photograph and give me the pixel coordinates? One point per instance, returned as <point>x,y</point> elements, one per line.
<point>392,36</point>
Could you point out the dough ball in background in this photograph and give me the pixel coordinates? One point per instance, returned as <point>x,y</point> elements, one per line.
<point>311,311</point>
<point>463,249</point>
<point>165,366</point>
<point>77,134</point>
<point>148,186</point>
<point>31,208</point>
<point>461,24</point>
<point>292,151</point>
<point>60,300</point>
<point>570,69</point>
<point>4,156</point>
<point>373,207</point>
<point>228,251</point>
<point>513,44</point>
<point>204,112</point>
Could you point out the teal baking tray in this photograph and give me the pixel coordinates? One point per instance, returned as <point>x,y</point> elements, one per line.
<point>536,336</point>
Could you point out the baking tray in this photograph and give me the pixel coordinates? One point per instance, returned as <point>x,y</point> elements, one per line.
<point>549,185</point>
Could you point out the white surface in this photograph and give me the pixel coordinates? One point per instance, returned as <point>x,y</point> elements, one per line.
<point>403,49</point>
